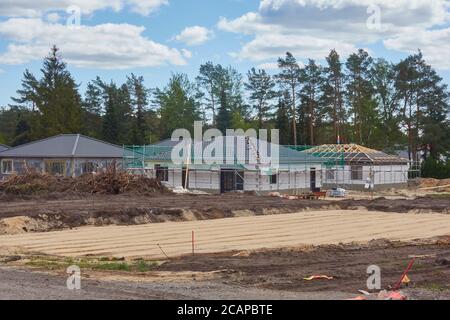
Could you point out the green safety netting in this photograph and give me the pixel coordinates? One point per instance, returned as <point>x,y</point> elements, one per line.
<point>139,156</point>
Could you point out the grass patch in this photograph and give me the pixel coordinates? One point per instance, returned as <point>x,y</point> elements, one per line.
<point>112,266</point>
<point>105,264</point>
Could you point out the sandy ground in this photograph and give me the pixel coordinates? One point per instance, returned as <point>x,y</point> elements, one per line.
<point>242,233</point>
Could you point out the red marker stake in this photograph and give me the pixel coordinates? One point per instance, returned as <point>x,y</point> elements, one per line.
<point>193,243</point>
<point>399,283</point>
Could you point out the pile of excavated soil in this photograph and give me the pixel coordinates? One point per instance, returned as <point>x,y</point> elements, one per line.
<point>418,205</point>
<point>43,214</point>
<point>110,182</point>
<point>430,183</point>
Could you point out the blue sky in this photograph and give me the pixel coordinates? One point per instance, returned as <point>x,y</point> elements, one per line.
<point>112,43</point>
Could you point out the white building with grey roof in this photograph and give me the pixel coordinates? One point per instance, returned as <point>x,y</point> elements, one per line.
<point>65,155</point>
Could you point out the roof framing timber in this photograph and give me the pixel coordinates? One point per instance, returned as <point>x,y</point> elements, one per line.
<point>354,154</point>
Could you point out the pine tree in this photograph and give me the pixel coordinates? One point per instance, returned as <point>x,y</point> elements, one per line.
<point>22,133</point>
<point>207,80</point>
<point>15,120</point>
<point>92,110</point>
<point>179,105</point>
<point>224,115</point>
<point>230,104</point>
<point>432,109</point>
<point>60,106</point>
<point>289,79</point>
<point>282,121</point>
<point>261,88</point>
<point>139,99</point>
<point>387,97</point>
<point>310,95</point>
<point>111,126</point>
<point>54,98</point>
<point>125,114</point>
<point>404,83</point>
<point>333,97</point>
<point>359,95</point>
<point>28,96</point>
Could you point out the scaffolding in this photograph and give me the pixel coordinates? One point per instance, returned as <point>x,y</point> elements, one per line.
<point>332,166</point>
<point>347,161</point>
<point>294,168</point>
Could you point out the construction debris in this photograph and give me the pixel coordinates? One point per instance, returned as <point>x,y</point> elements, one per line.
<point>275,194</point>
<point>305,196</point>
<point>337,193</point>
<point>358,298</point>
<point>110,182</point>
<point>404,278</point>
<point>181,190</point>
<point>391,295</point>
<point>434,184</point>
<point>364,292</point>
<point>318,277</point>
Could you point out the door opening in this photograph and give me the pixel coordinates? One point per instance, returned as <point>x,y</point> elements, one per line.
<point>231,180</point>
<point>313,179</point>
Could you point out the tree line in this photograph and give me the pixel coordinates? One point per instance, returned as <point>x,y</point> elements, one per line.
<point>364,100</point>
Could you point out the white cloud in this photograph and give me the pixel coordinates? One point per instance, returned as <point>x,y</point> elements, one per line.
<point>34,8</point>
<point>268,46</point>
<point>310,28</point>
<point>53,17</point>
<point>145,7</point>
<point>186,53</point>
<point>107,46</point>
<point>435,45</point>
<point>193,36</point>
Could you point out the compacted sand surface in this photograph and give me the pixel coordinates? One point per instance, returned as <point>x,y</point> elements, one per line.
<point>233,234</point>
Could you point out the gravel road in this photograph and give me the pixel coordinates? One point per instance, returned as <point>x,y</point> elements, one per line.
<point>22,284</point>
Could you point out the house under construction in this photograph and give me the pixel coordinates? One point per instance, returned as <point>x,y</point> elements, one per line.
<point>299,169</point>
<point>355,167</point>
<point>295,171</point>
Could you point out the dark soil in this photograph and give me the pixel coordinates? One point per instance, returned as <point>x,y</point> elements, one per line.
<point>400,205</point>
<point>285,269</point>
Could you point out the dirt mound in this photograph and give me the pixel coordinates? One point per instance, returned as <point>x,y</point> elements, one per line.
<point>431,183</point>
<point>418,205</point>
<point>109,182</point>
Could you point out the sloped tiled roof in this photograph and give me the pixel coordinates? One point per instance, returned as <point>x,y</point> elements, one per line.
<point>162,150</point>
<point>65,146</point>
<point>3,147</point>
<point>354,154</point>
